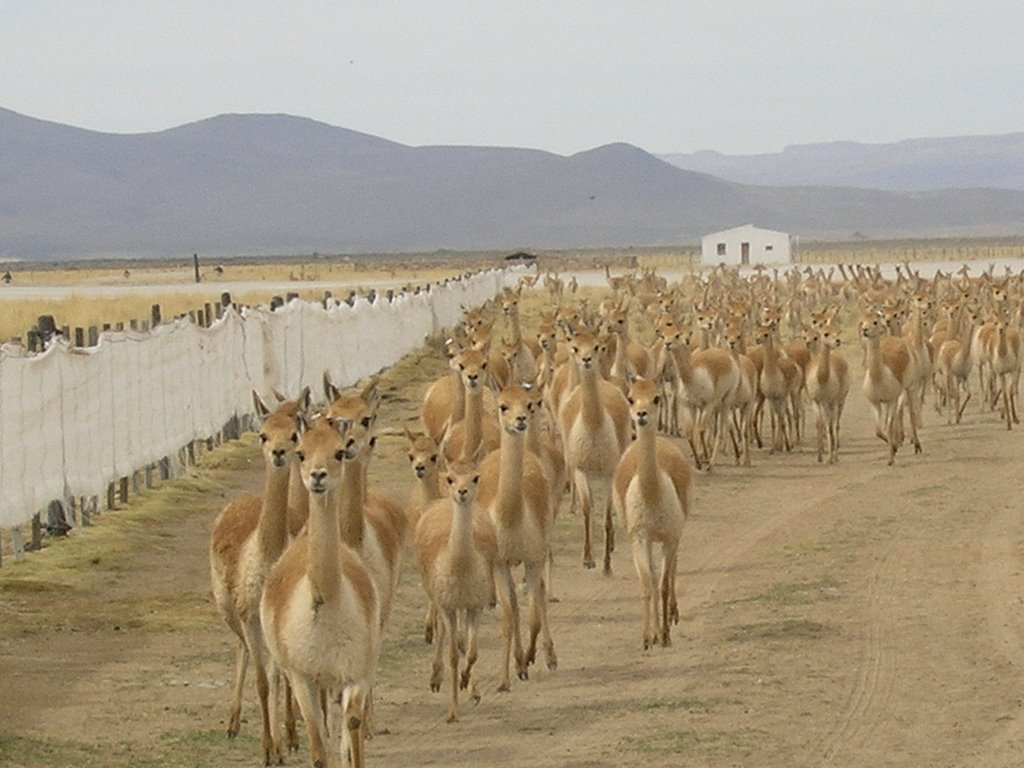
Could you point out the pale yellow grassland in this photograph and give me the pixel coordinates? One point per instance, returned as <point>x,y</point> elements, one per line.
<point>82,310</point>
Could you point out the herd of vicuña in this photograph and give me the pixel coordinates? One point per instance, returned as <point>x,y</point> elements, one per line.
<point>595,409</point>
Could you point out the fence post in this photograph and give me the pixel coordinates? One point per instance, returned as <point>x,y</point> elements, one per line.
<point>37,532</point>
<point>154,316</point>
<point>17,544</point>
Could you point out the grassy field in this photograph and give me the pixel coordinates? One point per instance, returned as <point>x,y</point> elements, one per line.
<point>173,286</point>
<point>112,294</point>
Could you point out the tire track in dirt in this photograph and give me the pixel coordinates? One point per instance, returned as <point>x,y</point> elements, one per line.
<point>1001,573</point>
<point>869,700</point>
<point>941,559</point>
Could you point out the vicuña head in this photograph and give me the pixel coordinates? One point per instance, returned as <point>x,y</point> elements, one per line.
<point>278,435</point>
<point>463,480</point>
<point>423,453</point>
<point>643,401</point>
<point>515,409</point>
<point>323,447</point>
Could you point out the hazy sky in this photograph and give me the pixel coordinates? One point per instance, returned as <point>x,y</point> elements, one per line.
<point>562,75</point>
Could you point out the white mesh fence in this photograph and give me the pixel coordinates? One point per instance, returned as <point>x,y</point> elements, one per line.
<point>74,420</point>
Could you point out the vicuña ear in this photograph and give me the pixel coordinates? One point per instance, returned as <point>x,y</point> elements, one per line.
<point>261,407</point>
<point>370,394</point>
<point>331,392</point>
<point>305,400</point>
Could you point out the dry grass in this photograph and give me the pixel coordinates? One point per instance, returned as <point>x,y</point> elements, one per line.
<point>111,295</point>
<point>172,285</point>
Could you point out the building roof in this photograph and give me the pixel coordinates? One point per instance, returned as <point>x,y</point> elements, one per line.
<point>746,226</point>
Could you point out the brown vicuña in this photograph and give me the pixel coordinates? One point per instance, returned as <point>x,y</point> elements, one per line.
<point>514,492</point>
<point>828,384</point>
<point>476,433</point>
<point>320,609</point>
<point>594,424</point>
<point>248,537</point>
<point>888,378</point>
<point>653,493</point>
<point>457,551</point>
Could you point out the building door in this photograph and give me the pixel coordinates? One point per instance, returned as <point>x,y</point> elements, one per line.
<point>745,254</point>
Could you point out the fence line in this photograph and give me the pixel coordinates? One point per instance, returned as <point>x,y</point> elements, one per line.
<point>78,423</point>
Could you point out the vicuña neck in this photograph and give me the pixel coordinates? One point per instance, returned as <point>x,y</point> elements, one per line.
<point>323,541</point>
<point>458,397</point>
<point>510,477</point>
<point>298,496</point>
<point>874,356</point>
<point>591,410</point>
<point>621,356</point>
<point>429,486</point>
<point>517,332</point>
<point>460,539</point>
<point>350,504</point>
<point>824,362</point>
<point>473,432</point>
<point>647,461</point>
<point>273,525</point>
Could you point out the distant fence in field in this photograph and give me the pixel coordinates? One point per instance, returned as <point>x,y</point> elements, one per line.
<point>78,423</point>
<point>914,252</point>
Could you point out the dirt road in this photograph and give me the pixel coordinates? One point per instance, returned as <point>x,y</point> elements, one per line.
<point>856,615</point>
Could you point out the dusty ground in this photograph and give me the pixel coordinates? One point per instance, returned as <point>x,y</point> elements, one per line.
<point>856,615</point>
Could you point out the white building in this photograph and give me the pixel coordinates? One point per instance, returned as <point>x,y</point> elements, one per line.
<point>746,246</point>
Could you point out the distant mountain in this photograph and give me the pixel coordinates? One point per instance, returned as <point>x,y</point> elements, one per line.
<point>964,162</point>
<point>277,184</point>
